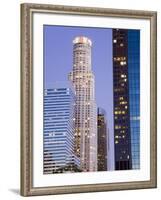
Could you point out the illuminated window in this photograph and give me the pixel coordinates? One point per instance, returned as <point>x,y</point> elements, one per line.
<point>121,98</point>
<point>122,131</point>
<point>117,127</point>
<point>123,63</point>
<point>121,45</point>
<point>114,41</point>
<point>116,142</point>
<point>118,112</point>
<point>123,102</point>
<point>123,75</point>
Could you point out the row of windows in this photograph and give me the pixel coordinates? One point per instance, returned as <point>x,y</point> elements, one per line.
<point>57,103</point>
<point>57,89</point>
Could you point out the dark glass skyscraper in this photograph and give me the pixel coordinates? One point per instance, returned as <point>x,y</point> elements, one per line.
<point>102,140</point>
<point>126,85</point>
<point>134,94</point>
<point>122,135</point>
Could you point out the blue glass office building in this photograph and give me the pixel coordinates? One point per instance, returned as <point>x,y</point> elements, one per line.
<point>134,94</point>
<point>59,103</point>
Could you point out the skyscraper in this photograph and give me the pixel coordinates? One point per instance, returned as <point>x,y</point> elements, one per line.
<point>59,130</point>
<point>122,131</point>
<point>134,94</point>
<point>83,81</point>
<point>102,136</point>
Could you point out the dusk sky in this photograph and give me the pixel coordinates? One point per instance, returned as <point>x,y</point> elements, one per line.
<point>58,58</point>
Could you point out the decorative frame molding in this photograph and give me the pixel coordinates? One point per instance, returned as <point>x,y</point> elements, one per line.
<point>27,11</point>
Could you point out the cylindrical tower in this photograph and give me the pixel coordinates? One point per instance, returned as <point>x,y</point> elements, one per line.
<point>85,109</point>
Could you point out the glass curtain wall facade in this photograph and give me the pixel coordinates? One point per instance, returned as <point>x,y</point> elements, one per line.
<point>102,140</point>
<point>83,81</point>
<point>126,72</point>
<point>122,135</point>
<point>134,94</point>
<point>59,131</point>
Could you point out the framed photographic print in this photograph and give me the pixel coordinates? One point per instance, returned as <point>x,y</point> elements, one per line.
<point>88,99</point>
